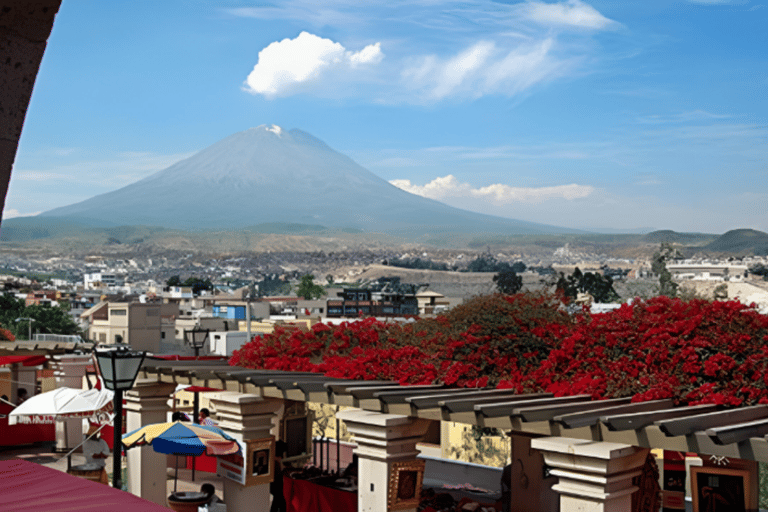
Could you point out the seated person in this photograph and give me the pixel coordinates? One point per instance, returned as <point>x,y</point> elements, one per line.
<point>96,451</point>
<point>205,418</point>
<point>210,491</point>
<point>179,416</point>
<point>350,472</point>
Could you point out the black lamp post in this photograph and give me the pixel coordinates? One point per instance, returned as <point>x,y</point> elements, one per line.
<point>196,338</point>
<point>119,366</point>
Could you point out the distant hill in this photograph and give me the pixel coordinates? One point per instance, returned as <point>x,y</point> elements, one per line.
<point>741,241</point>
<point>268,176</point>
<point>669,236</point>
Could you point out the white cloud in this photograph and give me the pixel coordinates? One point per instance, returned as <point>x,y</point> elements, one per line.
<point>38,176</point>
<point>449,187</point>
<point>285,65</point>
<point>717,2</point>
<point>683,117</point>
<point>573,13</point>
<point>119,170</point>
<point>13,213</point>
<point>64,151</point>
<point>464,49</point>
<point>316,14</point>
<point>484,69</point>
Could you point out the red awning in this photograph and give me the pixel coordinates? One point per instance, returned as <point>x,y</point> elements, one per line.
<point>198,389</point>
<point>173,357</point>
<point>29,487</point>
<point>24,360</point>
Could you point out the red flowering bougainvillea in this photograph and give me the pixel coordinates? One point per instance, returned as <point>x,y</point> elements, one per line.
<point>694,352</point>
<point>6,335</point>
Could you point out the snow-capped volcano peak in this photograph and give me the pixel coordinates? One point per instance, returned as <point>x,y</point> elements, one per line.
<point>277,130</point>
<point>286,176</point>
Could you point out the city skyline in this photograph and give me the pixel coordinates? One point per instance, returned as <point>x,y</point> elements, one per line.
<point>585,115</point>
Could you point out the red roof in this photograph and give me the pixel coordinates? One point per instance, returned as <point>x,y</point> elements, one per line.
<point>199,389</point>
<point>24,360</point>
<point>29,487</point>
<point>173,357</point>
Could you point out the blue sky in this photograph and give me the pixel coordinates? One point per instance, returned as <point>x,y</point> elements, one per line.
<point>600,114</point>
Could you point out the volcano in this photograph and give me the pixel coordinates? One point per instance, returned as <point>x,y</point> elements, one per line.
<point>270,175</point>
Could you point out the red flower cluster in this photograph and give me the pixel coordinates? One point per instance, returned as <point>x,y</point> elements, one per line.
<point>6,335</point>
<point>694,352</point>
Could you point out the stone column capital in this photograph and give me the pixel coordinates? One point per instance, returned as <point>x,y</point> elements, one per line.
<point>69,369</point>
<point>243,415</point>
<point>148,394</point>
<point>148,388</point>
<point>594,472</point>
<point>382,440</point>
<point>386,437</point>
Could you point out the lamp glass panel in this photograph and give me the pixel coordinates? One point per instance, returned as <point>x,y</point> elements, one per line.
<point>127,368</point>
<point>105,365</point>
<point>197,338</point>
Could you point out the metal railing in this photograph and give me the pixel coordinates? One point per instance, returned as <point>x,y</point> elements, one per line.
<point>58,338</point>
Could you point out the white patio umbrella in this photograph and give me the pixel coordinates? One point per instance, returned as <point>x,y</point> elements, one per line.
<point>62,403</point>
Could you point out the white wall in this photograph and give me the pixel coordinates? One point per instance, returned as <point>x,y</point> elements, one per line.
<point>223,343</point>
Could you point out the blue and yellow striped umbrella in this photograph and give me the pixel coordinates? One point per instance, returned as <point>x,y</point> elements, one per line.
<point>181,438</point>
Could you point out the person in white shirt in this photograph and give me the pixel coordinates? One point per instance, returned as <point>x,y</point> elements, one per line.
<point>96,451</point>
<point>210,491</point>
<point>205,418</point>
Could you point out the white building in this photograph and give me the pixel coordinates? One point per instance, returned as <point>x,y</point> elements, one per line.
<point>708,271</point>
<point>97,280</point>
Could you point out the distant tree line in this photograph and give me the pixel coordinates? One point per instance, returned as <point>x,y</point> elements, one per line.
<point>197,284</point>
<point>47,319</point>
<point>417,263</point>
<point>600,287</point>
<point>307,288</point>
<point>614,273</point>
<point>759,270</point>
<point>487,263</point>
<point>273,286</point>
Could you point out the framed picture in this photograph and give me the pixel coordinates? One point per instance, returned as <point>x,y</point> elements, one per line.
<point>254,464</point>
<point>716,489</point>
<point>405,482</point>
<point>260,461</point>
<point>296,431</point>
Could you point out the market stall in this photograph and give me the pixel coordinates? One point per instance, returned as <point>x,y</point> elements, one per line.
<point>12,434</point>
<point>20,434</point>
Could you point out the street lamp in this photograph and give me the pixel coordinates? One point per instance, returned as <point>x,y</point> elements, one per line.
<point>119,366</point>
<point>196,338</point>
<point>30,320</point>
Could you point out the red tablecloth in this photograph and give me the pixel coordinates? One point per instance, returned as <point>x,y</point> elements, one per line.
<point>22,433</point>
<point>202,463</point>
<point>304,496</point>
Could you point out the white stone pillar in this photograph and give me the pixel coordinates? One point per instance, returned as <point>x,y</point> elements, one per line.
<point>382,440</point>
<point>147,403</point>
<point>69,371</point>
<point>593,476</point>
<point>245,417</point>
<point>23,377</point>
